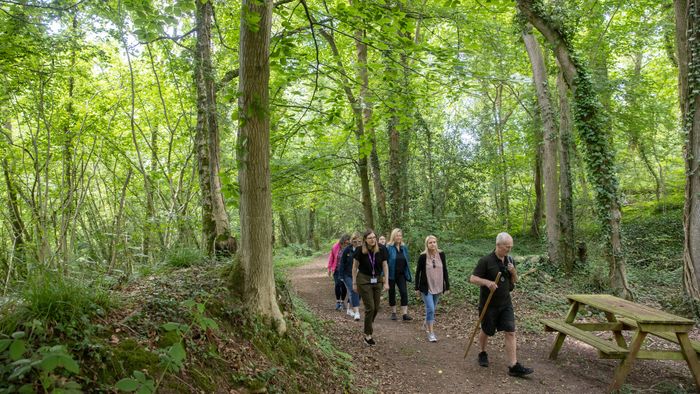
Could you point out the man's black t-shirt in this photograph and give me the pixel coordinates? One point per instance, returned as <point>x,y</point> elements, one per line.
<point>365,261</point>
<point>487,268</point>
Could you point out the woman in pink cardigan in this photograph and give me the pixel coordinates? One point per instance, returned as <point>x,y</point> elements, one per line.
<point>333,259</point>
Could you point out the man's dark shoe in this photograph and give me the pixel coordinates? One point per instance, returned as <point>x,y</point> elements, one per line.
<point>407,318</point>
<point>393,316</point>
<point>483,359</point>
<point>519,371</point>
<point>370,341</point>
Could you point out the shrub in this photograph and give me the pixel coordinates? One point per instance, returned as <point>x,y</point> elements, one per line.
<point>50,300</point>
<point>184,257</point>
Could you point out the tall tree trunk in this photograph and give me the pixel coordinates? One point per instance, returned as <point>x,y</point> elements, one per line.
<point>359,132</point>
<point>365,103</point>
<point>499,121</point>
<point>634,132</point>
<point>216,234</point>
<point>688,47</point>
<point>311,236</point>
<point>599,158</point>
<point>65,246</point>
<point>566,212</point>
<point>285,232</point>
<point>549,158</point>
<point>19,231</point>
<point>253,149</point>
<point>537,179</point>
<point>395,212</point>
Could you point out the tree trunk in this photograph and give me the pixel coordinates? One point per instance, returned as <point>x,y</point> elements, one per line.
<point>19,231</point>
<point>68,188</point>
<point>366,105</point>
<point>599,158</point>
<point>500,120</point>
<point>311,237</point>
<point>359,132</point>
<point>537,178</point>
<point>253,151</point>
<point>549,157</point>
<point>688,47</point>
<point>395,195</point>
<point>566,212</point>
<point>216,236</point>
<point>285,232</point>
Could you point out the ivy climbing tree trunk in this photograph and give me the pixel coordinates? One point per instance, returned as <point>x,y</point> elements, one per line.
<point>566,212</point>
<point>216,234</point>
<point>688,48</point>
<point>590,125</point>
<point>253,151</point>
<point>549,140</point>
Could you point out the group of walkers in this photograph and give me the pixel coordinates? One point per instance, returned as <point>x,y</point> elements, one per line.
<point>364,265</point>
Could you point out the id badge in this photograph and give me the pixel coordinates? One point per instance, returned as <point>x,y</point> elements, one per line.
<point>373,280</point>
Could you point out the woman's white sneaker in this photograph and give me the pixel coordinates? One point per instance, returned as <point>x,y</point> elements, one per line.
<point>357,316</point>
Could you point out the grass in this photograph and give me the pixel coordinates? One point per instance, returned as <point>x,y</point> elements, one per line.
<point>55,302</point>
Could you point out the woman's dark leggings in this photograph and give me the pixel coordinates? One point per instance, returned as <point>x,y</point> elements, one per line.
<point>340,290</point>
<point>399,281</point>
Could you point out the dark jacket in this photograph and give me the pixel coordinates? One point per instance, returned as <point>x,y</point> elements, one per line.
<point>391,262</point>
<point>422,279</point>
<point>345,264</point>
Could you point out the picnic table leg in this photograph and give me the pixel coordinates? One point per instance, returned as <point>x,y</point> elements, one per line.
<point>618,334</point>
<point>690,357</point>
<point>556,346</point>
<point>570,316</point>
<point>573,310</point>
<point>626,365</point>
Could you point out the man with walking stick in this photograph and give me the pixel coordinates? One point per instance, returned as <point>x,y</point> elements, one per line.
<point>499,313</point>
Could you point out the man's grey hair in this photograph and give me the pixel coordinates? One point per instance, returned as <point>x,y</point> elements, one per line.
<point>503,237</point>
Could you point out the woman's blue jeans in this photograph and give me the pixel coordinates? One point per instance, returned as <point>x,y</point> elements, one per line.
<point>353,296</point>
<point>430,301</point>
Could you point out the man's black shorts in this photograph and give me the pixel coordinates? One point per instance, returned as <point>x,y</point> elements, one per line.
<point>501,318</point>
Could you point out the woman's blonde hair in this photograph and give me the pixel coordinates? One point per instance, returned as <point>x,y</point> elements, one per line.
<point>392,237</point>
<point>365,249</point>
<point>425,251</point>
<point>356,236</point>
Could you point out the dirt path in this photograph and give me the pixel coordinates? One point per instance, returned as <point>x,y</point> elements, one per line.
<point>404,361</point>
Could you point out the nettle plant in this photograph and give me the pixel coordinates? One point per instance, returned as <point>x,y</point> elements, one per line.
<point>27,370</point>
<point>173,357</point>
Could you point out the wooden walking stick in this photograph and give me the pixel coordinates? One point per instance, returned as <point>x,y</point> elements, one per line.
<point>481,317</point>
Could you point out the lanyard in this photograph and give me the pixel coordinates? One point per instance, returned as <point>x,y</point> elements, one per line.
<point>371,261</point>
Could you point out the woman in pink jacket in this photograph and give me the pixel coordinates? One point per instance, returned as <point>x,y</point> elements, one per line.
<point>333,259</point>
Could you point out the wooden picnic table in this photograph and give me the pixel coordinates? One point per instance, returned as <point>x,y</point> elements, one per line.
<point>626,315</point>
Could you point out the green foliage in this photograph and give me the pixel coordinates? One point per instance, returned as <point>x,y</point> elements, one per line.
<point>294,255</point>
<point>58,303</point>
<point>138,383</point>
<point>25,370</point>
<point>184,257</point>
<point>129,355</point>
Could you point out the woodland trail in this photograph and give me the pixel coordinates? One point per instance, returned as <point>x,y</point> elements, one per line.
<point>404,361</point>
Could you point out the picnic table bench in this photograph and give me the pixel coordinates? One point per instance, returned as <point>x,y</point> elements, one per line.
<point>623,315</point>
